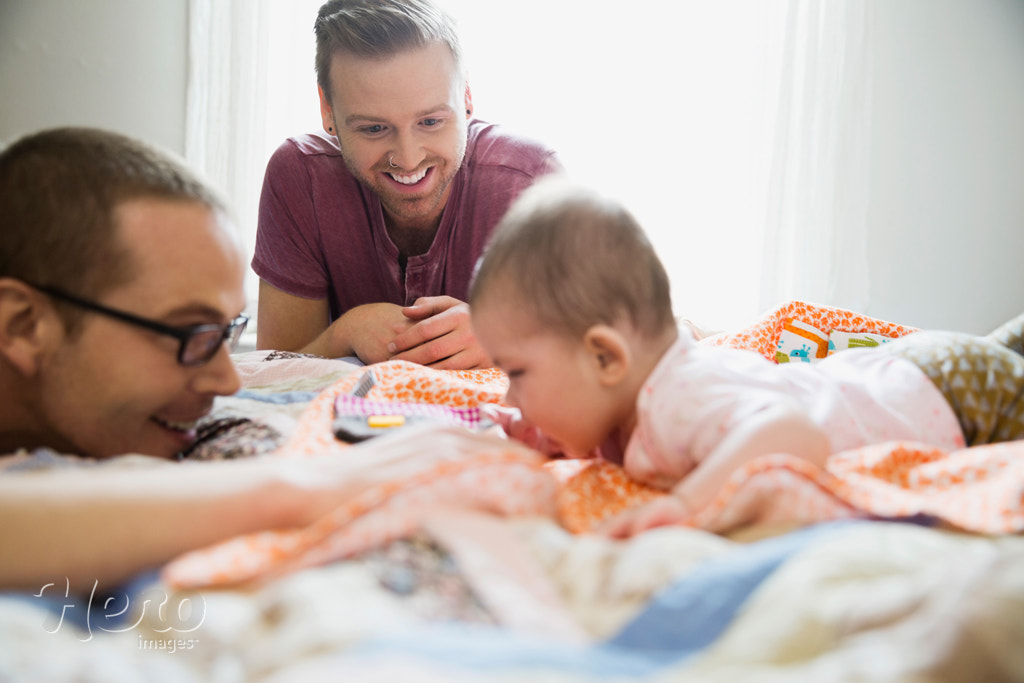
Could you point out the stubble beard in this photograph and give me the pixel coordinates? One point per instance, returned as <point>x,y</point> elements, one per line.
<point>410,208</point>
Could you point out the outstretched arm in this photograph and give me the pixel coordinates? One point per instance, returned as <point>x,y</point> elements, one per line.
<point>106,524</point>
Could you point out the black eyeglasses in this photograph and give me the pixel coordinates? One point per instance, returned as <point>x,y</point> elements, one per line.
<point>198,343</point>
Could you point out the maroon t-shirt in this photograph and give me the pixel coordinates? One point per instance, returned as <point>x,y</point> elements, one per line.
<point>321,233</point>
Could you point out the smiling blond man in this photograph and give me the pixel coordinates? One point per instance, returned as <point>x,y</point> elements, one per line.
<point>369,231</point>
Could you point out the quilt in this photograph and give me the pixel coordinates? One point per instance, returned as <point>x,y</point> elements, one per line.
<point>896,562</point>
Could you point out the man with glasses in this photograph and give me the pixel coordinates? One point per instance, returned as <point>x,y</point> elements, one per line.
<point>198,343</point>
<point>120,282</point>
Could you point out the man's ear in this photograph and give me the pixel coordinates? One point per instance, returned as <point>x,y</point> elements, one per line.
<point>326,112</point>
<point>609,352</point>
<point>469,100</point>
<point>25,324</point>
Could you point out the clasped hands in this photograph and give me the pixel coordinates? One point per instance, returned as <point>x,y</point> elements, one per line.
<point>435,331</point>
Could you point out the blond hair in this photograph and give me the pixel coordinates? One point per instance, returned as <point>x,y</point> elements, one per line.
<point>374,29</point>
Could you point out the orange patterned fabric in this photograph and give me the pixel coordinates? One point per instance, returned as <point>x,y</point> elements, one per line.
<point>978,489</point>
<point>494,477</point>
<point>591,491</point>
<point>502,483</point>
<point>763,335</point>
<point>399,382</point>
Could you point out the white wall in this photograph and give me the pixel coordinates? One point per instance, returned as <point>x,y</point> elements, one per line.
<point>118,64</point>
<point>946,210</point>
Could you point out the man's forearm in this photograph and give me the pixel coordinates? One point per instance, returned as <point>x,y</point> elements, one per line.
<point>105,526</point>
<point>322,345</point>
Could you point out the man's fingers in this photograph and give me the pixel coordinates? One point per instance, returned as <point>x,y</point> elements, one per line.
<point>443,354</point>
<point>428,306</point>
<point>460,361</point>
<point>444,340</point>
<point>429,350</point>
<point>424,332</point>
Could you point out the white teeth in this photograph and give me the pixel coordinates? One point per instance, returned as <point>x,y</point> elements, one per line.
<point>409,179</point>
<point>178,426</point>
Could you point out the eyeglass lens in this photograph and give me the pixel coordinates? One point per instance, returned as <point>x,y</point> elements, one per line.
<point>204,343</point>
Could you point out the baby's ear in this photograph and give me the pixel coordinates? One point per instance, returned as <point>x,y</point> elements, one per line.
<point>610,353</point>
<point>24,322</point>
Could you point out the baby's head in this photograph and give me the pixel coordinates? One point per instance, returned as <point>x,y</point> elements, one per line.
<point>571,300</point>
<point>575,259</point>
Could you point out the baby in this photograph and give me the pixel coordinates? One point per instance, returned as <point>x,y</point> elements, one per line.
<point>572,303</point>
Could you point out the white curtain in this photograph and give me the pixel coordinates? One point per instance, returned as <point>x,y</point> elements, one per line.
<point>815,242</point>
<point>226,107</point>
<point>662,105</point>
<point>736,130</point>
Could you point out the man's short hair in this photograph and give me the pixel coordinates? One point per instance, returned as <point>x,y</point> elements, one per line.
<point>59,190</point>
<point>574,259</point>
<point>375,29</point>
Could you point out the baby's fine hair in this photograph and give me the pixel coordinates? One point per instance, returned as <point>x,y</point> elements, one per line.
<point>575,259</point>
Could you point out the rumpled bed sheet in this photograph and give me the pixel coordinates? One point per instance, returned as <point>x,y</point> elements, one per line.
<point>851,600</point>
<point>979,489</point>
<point>789,575</point>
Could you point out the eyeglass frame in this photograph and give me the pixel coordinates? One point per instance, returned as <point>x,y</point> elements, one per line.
<point>229,333</point>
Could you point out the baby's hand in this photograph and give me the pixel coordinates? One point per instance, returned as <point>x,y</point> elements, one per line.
<point>668,510</point>
<point>511,420</point>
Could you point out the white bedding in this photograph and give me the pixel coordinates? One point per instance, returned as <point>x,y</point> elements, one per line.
<point>475,597</point>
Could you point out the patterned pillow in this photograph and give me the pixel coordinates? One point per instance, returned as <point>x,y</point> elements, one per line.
<point>801,342</point>
<point>840,341</point>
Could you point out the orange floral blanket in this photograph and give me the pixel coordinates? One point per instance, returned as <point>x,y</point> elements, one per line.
<point>977,489</point>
